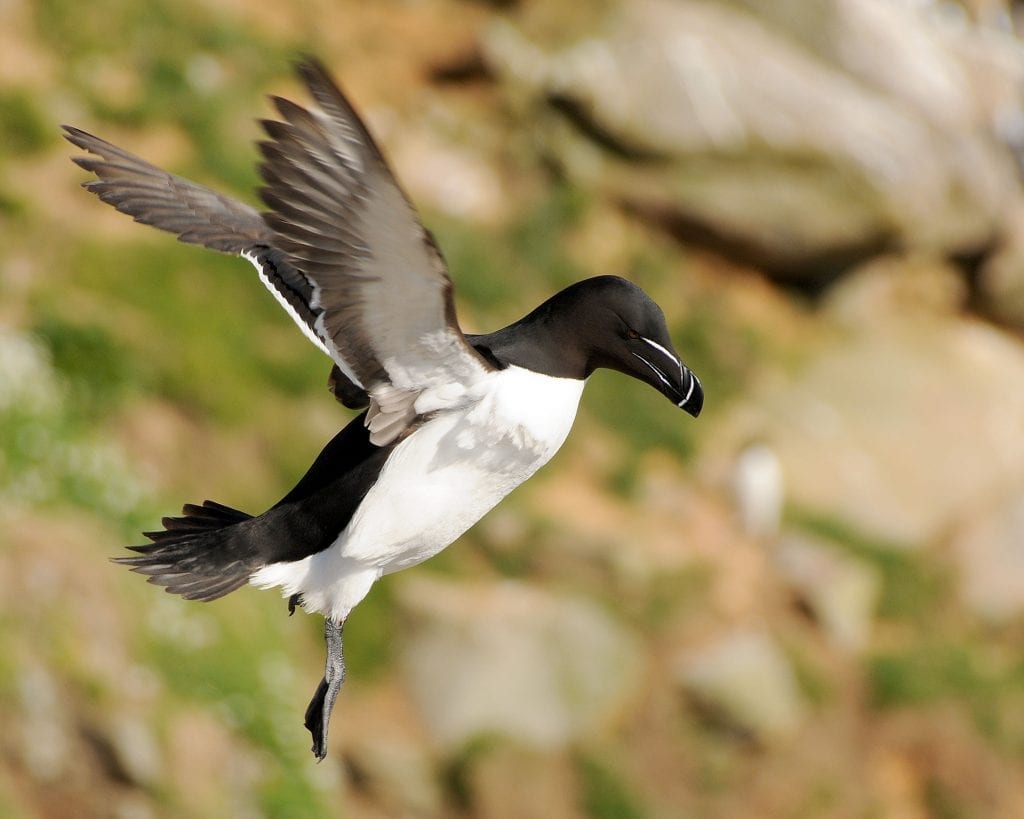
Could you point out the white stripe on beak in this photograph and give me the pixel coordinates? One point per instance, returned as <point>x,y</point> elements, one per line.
<point>657,372</point>
<point>684,372</point>
<point>662,350</point>
<point>689,392</point>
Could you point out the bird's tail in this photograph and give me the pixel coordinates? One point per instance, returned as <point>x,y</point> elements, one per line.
<point>201,555</point>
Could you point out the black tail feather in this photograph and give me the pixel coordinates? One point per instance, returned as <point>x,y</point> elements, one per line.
<point>201,555</point>
<point>211,515</point>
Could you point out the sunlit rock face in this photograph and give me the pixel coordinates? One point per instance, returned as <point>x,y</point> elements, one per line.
<point>800,136</point>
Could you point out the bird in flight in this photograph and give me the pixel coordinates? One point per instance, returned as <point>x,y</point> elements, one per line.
<point>450,422</point>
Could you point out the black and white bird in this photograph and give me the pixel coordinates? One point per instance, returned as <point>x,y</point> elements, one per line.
<point>452,422</point>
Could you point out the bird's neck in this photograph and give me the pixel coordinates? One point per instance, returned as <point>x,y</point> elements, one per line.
<point>545,341</point>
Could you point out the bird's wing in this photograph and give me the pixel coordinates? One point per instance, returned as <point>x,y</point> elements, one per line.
<point>379,285</point>
<point>341,249</point>
<point>196,215</point>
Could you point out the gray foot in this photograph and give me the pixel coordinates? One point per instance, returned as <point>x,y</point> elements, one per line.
<point>318,714</point>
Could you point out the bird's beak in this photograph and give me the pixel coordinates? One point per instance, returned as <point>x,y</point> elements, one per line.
<point>693,399</point>
<point>664,371</point>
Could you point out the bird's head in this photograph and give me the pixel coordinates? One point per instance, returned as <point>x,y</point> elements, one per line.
<point>627,332</point>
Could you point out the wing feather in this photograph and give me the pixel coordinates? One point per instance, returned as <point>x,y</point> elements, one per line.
<point>341,248</point>
<point>382,286</point>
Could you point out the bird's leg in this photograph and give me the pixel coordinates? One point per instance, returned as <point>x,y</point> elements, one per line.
<point>294,602</point>
<point>318,714</point>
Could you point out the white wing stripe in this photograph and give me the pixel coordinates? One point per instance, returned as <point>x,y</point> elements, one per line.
<point>334,352</point>
<point>316,334</point>
<point>306,329</point>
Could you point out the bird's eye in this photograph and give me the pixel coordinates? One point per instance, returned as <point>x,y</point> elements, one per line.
<point>633,334</point>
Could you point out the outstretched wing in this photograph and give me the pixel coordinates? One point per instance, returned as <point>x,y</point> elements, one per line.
<point>341,249</point>
<point>196,215</point>
<point>379,284</point>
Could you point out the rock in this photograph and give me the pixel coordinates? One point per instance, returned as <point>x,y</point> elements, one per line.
<point>748,681</point>
<point>134,750</point>
<point>1000,280</point>
<point>990,551</point>
<point>452,178</point>
<point>210,772</point>
<point>511,660</point>
<point>758,490</point>
<point>402,778</point>
<point>45,741</point>
<point>495,778</point>
<point>840,591</point>
<point>815,154</point>
<point>892,289</point>
<point>28,383</point>
<point>387,758</point>
<point>900,425</point>
<point>132,806</point>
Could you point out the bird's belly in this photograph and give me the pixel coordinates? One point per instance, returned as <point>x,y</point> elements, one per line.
<point>418,513</point>
<point>436,483</point>
<point>452,471</point>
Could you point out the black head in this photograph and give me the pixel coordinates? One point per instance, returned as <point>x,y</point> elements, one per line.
<point>620,327</point>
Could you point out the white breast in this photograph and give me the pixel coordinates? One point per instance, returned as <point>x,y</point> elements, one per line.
<point>436,484</point>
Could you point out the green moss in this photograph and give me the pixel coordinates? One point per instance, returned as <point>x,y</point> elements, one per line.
<point>12,206</point>
<point>604,794</point>
<point>913,584</point>
<point>536,240</point>
<point>10,631</point>
<point>231,660</point>
<point>521,561</point>
<point>370,634</point>
<point>645,419</point>
<point>479,264</point>
<point>9,805</point>
<point>229,657</point>
<point>24,128</point>
<point>722,352</point>
<point>91,362</point>
<point>934,669</point>
<point>494,267</point>
<point>50,451</point>
<point>285,796</point>
<point>722,361</point>
<point>815,683</point>
<point>196,327</point>
<point>197,68</point>
<point>942,802</point>
<point>457,775</point>
<point>902,679</point>
<point>670,592</point>
<point>937,654</point>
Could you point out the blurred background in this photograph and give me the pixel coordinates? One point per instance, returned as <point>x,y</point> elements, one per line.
<point>807,603</point>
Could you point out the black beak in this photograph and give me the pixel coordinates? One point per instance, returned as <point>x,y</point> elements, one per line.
<point>693,399</point>
<point>673,379</point>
